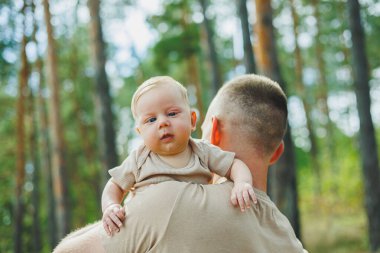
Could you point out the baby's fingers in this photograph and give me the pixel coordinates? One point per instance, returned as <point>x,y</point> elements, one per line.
<point>121,214</point>
<point>106,225</point>
<point>246,199</point>
<point>115,220</point>
<point>241,201</point>
<point>234,198</point>
<point>253,195</point>
<point>113,228</point>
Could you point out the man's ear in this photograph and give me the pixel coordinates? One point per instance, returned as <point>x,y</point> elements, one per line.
<point>277,153</point>
<point>215,131</point>
<point>193,120</point>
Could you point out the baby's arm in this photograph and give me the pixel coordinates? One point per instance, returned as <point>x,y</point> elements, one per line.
<point>113,212</point>
<point>242,192</point>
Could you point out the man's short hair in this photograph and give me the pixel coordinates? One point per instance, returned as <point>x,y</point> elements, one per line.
<point>155,82</point>
<point>256,107</point>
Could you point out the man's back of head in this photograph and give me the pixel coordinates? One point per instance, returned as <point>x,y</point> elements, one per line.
<point>255,107</point>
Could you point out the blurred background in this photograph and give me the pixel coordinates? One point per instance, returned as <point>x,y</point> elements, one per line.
<point>68,70</point>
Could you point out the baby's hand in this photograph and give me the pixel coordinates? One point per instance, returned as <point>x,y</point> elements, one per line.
<point>241,194</point>
<point>113,218</point>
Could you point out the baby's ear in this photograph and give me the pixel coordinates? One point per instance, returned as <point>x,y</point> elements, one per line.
<point>137,129</point>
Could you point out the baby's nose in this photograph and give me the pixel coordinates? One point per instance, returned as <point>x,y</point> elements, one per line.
<point>163,122</point>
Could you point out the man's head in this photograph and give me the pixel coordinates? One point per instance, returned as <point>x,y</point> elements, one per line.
<point>252,109</point>
<point>163,117</point>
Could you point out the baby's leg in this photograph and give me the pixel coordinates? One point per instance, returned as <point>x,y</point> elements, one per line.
<point>87,239</point>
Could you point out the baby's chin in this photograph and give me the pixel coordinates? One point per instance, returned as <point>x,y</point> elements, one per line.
<point>171,150</point>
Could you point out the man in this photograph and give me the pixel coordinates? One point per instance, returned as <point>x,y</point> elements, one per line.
<point>247,116</point>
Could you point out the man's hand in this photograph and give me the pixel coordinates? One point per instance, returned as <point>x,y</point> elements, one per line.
<point>113,217</point>
<point>242,194</point>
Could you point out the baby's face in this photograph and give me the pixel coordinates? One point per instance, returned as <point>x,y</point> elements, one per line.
<point>164,120</point>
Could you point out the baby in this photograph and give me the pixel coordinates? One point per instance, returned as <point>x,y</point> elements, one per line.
<point>165,121</point>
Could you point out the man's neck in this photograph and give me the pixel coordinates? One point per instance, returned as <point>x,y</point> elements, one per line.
<point>244,151</point>
<point>258,169</point>
<point>260,182</point>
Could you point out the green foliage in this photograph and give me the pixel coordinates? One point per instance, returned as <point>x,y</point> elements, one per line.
<point>342,233</point>
<point>178,38</point>
<point>7,129</point>
<point>8,45</point>
<point>371,22</point>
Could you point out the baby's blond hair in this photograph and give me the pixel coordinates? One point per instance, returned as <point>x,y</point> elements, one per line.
<point>155,82</point>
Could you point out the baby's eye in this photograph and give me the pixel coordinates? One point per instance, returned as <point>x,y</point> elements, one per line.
<point>151,120</point>
<point>172,114</point>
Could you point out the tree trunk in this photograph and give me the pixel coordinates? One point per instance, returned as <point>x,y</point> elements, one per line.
<point>21,160</point>
<point>213,57</point>
<point>35,176</point>
<point>85,143</point>
<point>249,59</point>
<point>83,131</point>
<point>58,155</point>
<point>46,159</point>
<point>34,153</point>
<point>303,94</point>
<point>193,76</point>
<point>367,139</point>
<point>323,91</point>
<point>284,185</point>
<point>283,188</point>
<point>193,72</point>
<point>103,100</point>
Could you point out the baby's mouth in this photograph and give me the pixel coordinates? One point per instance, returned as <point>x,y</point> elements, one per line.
<point>167,137</point>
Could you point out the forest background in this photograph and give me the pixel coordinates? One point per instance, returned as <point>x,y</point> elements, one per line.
<point>68,70</point>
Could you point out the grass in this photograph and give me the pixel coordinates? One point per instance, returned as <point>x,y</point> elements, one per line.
<point>343,232</point>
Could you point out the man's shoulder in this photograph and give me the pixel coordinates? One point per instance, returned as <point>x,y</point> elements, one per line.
<point>207,213</point>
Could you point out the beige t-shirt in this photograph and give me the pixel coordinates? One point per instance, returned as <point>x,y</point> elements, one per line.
<point>143,167</point>
<point>173,217</point>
